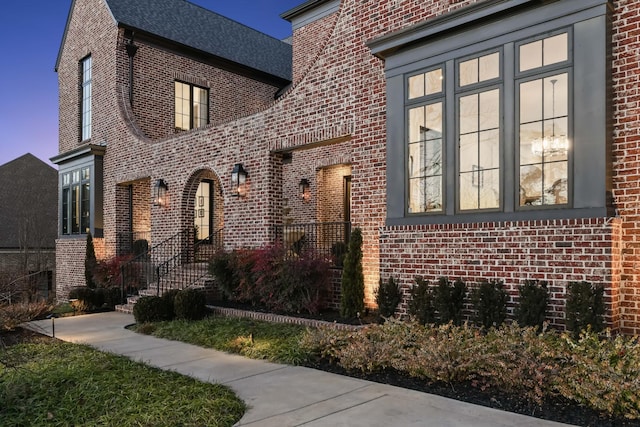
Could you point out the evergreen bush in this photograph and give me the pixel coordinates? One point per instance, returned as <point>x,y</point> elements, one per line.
<point>448,301</point>
<point>490,303</point>
<point>352,290</point>
<point>585,307</point>
<point>190,304</point>
<point>387,297</point>
<point>421,305</point>
<point>222,268</point>
<point>90,262</point>
<point>150,309</point>
<point>532,305</point>
<point>169,301</point>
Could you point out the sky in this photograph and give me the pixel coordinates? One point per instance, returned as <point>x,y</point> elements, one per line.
<point>30,37</point>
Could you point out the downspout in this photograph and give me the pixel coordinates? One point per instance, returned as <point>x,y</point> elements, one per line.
<point>131,51</point>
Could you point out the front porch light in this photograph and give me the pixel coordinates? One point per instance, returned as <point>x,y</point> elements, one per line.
<point>239,181</point>
<point>160,193</point>
<point>305,189</point>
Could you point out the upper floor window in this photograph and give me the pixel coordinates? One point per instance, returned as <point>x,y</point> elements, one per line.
<point>86,78</point>
<point>191,106</point>
<point>511,126</point>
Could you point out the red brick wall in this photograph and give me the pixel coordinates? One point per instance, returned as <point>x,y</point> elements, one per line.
<point>556,251</point>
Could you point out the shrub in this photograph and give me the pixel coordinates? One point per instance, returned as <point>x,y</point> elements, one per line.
<point>387,297</point>
<point>532,303</point>
<point>352,289</point>
<point>585,307</point>
<point>90,262</point>
<point>190,304</point>
<point>13,315</point>
<point>110,297</point>
<point>140,247</point>
<point>150,309</point>
<point>87,299</point>
<point>448,301</point>
<point>169,301</point>
<point>222,268</point>
<point>490,304</point>
<point>421,305</point>
<point>108,274</point>
<point>338,251</point>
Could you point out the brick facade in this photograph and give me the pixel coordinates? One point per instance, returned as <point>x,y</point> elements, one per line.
<point>333,119</point>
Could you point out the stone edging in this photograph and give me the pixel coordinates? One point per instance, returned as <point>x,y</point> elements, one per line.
<point>278,318</point>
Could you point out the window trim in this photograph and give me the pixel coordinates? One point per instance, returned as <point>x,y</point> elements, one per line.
<point>86,85</point>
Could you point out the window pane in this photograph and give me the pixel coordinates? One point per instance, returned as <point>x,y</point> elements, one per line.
<point>468,190</point>
<point>65,211</point>
<point>468,152</point>
<point>489,186</point>
<point>555,183</point>
<point>531,55</point>
<point>425,84</point>
<point>489,67</point>
<point>531,101</point>
<point>556,93</point>
<point>425,159</point>
<point>85,208</point>
<point>468,71</point>
<point>468,114</point>
<point>75,209</point>
<point>85,108</point>
<point>530,133</point>
<point>555,49</point>
<point>490,149</point>
<point>489,109</point>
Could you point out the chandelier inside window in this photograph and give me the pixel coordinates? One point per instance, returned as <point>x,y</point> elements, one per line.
<point>553,145</point>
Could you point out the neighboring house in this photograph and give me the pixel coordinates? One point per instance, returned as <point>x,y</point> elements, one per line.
<point>28,228</point>
<point>482,140</point>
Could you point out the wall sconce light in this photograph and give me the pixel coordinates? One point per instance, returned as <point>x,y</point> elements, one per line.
<point>305,189</point>
<point>160,193</point>
<point>238,181</point>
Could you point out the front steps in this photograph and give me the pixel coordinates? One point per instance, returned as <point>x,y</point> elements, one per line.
<point>174,280</point>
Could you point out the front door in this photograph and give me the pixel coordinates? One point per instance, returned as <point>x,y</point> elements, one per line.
<point>203,212</point>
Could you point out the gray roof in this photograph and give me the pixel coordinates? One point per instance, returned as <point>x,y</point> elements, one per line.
<point>28,191</point>
<point>191,25</point>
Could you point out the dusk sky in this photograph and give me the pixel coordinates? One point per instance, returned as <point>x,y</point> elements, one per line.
<point>30,38</point>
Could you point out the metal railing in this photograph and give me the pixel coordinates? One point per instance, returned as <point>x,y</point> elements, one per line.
<point>133,242</point>
<point>177,263</point>
<point>328,240</point>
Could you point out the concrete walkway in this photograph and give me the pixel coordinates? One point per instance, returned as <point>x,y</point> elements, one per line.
<point>281,395</point>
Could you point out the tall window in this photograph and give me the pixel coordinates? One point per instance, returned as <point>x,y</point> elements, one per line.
<point>76,201</point>
<point>425,142</point>
<point>86,98</point>
<point>191,106</point>
<point>543,122</point>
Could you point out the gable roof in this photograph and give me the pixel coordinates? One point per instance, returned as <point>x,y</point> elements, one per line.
<point>191,25</point>
<point>28,190</point>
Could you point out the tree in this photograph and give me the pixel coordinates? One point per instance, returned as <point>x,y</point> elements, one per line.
<point>352,291</point>
<point>90,263</point>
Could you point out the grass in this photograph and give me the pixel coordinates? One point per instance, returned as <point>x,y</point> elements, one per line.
<point>274,342</point>
<point>61,384</point>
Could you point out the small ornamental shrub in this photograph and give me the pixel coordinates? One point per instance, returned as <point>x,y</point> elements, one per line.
<point>585,307</point>
<point>421,305</point>
<point>222,268</point>
<point>13,315</point>
<point>90,263</point>
<point>532,305</point>
<point>387,297</point>
<point>108,273</point>
<point>86,299</point>
<point>150,309</point>
<point>448,301</point>
<point>490,304</point>
<point>169,301</point>
<point>140,247</point>
<point>110,297</point>
<point>352,290</point>
<point>190,304</point>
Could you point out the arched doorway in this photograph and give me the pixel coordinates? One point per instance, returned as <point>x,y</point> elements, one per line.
<point>203,211</point>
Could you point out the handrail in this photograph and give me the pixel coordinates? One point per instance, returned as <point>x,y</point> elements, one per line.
<point>169,264</point>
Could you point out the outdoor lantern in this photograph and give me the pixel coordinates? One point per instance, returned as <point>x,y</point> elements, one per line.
<point>160,193</point>
<point>305,189</point>
<point>238,181</point>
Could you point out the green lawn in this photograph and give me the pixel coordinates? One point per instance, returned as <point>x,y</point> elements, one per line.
<point>61,384</point>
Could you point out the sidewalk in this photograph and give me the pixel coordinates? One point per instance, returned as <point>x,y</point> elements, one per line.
<point>282,395</point>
